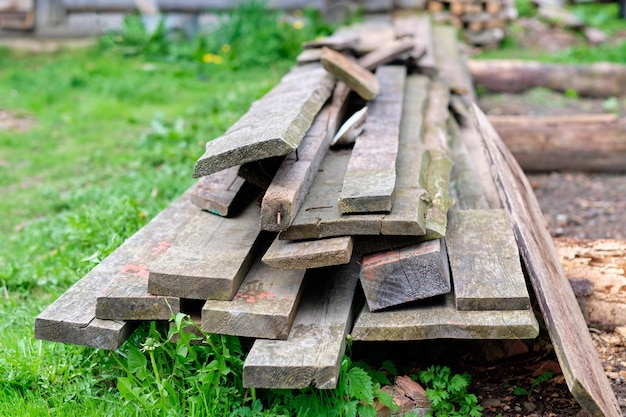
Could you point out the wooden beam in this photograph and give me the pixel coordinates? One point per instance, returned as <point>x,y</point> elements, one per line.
<point>312,353</point>
<point>370,177</point>
<point>438,318</point>
<point>274,125</point>
<point>285,195</point>
<point>359,79</point>
<point>263,307</point>
<point>209,258</point>
<point>565,322</point>
<point>72,317</point>
<point>578,142</point>
<point>305,254</point>
<point>407,274</point>
<point>419,29</point>
<point>222,192</point>
<point>452,65</point>
<point>484,261</point>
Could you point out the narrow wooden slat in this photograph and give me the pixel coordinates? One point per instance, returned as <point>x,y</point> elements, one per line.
<point>387,53</point>
<point>220,192</point>
<point>374,32</point>
<point>371,173</point>
<point>452,67</point>
<point>340,40</point>
<point>285,195</point>
<point>263,307</point>
<point>287,254</point>
<point>274,125</point>
<point>439,319</point>
<point>484,261</point>
<point>565,322</point>
<point>419,28</point>
<point>407,274</point>
<point>359,79</point>
<point>72,317</point>
<point>209,258</point>
<point>308,56</point>
<point>312,353</point>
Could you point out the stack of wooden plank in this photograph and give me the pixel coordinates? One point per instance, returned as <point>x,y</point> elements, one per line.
<point>292,215</point>
<point>483,22</point>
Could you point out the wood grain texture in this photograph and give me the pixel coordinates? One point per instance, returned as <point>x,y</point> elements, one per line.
<point>274,125</point>
<point>484,261</point>
<point>312,353</point>
<point>220,192</point>
<point>419,29</point>
<point>565,322</point>
<point>264,306</point>
<point>359,79</point>
<point>305,254</point>
<point>370,178</point>
<point>72,317</point>
<point>439,319</point>
<point>403,275</point>
<point>209,258</point>
<point>289,187</point>
<point>452,65</point>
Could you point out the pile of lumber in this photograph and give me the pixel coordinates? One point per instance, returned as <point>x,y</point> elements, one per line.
<point>483,22</point>
<point>352,173</point>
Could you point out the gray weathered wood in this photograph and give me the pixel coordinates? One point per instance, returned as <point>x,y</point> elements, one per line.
<point>312,353</point>
<point>305,254</point>
<point>274,125</point>
<point>565,322</point>
<point>371,173</point>
<point>263,307</point>
<point>407,274</point>
<point>72,317</point>
<point>438,318</point>
<point>209,258</point>
<point>484,261</point>
<point>339,41</point>
<point>452,65</point>
<point>387,53</point>
<point>285,195</point>
<point>351,129</point>
<point>220,192</point>
<point>308,56</point>
<point>359,79</point>
<point>374,31</point>
<point>419,29</point>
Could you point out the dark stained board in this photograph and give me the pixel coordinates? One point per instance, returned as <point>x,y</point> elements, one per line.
<point>305,254</point>
<point>312,353</point>
<point>209,258</point>
<point>371,173</point>
<point>220,192</point>
<point>263,307</point>
<point>274,125</point>
<point>359,79</point>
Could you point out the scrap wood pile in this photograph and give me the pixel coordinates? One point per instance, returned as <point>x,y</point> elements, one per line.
<point>351,173</point>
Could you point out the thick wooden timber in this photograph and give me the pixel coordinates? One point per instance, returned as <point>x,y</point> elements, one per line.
<point>371,174</point>
<point>451,63</point>
<point>419,29</point>
<point>359,79</point>
<point>305,254</point>
<point>274,125</point>
<point>406,274</point>
<point>484,261</point>
<point>209,258</point>
<point>263,307</point>
<point>577,142</point>
<point>312,353</point>
<point>72,317</point>
<point>222,192</point>
<point>601,79</point>
<point>437,318</point>
<point>565,322</point>
<point>285,195</point>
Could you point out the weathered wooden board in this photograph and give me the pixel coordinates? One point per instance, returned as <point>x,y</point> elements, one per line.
<point>406,274</point>
<point>72,317</point>
<point>274,125</point>
<point>312,353</point>
<point>209,258</point>
<point>438,318</point>
<point>339,41</point>
<point>221,192</point>
<point>419,28</point>
<point>565,322</point>
<point>350,129</point>
<point>263,307</point>
<point>359,79</point>
<point>387,53</point>
<point>374,32</point>
<point>371,173</point>
<point>305,254</point>
<point>285,195</point>
<point>484,261</point>
<point>452,65</point>
<point>309,56</point>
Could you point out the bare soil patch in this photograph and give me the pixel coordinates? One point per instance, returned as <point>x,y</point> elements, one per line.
<point>14,122</point>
